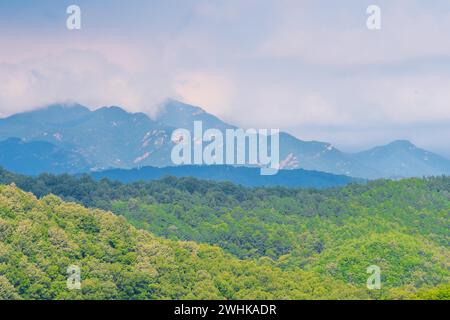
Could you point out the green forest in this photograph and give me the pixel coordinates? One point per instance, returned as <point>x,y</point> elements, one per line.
<point>183,238</point>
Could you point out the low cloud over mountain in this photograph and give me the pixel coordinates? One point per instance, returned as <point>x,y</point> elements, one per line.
<point>111,137</point>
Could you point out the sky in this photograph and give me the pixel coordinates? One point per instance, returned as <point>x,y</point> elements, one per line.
<point>308,67</point>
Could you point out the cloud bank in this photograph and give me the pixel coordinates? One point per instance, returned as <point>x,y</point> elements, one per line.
<point>309,67</point>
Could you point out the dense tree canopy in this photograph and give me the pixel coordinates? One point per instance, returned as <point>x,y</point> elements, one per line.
<point>41,238</point>
<point>329,237</point>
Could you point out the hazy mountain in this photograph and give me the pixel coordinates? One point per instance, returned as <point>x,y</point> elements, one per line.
<point>39,156</point>
<point>240,175</point>
<point>294,153</point>
<point>110,137</point>
<point>320,156</point>
<point>176,114</point>
<point>403,159</point>
<point>392,161</point>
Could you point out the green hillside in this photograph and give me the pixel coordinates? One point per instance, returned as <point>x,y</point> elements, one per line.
<point>249,243</point>
<point>41,238</point>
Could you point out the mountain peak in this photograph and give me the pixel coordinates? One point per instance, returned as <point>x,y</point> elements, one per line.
<point>396,145</point>
<point>177,114</point>
<point>402,144</point>
<point>55,113</point>
<point>64,105</point>
<point>172,105</point>
<point>112,109</point>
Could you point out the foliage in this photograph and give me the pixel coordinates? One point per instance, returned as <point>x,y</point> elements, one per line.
<point>41,238</point>
<point>335,234</point>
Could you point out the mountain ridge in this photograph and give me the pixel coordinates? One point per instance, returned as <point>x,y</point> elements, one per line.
<point>111,137</point>
<point>245,176</point>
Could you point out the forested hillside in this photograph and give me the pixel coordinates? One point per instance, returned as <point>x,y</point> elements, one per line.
<point>330,235</point>
<point>41,238</point>
<point>249,177</point>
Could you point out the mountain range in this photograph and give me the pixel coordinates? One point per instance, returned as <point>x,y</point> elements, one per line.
<point>72,138</point>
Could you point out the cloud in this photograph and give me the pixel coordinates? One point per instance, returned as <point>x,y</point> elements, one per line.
<point>410,30</point>
<point>308,66</point>
<point>82,76</point>
<point>212,89</point>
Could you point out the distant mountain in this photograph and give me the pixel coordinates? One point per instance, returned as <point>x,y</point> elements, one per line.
<point>403,159</point>
<point>245,176</point>
<point>110,137</point>
<point>175,114</point>
<point>36,157</point>
<point>320,156</point>
<point>315,155</point>
<point>294,153</point>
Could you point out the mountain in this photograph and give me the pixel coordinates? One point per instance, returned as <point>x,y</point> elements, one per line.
<point>245,176</point>
<point>294,153</point>
<point>36,157</point>
<point>401,159</point>
<point>176,114</point>
<point>320,156</point>
<point>110,137</point>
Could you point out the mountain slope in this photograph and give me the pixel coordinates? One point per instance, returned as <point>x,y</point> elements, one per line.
<point>321,156</point>
<point>333,234</point>
<point>39,156</point>
<point>107,137</point>
<point>294,153</point>
<point>176,114</point>
<point>403,159</point>
<point>40,239</point>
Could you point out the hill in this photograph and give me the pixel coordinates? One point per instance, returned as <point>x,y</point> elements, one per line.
<point>400,226</point>
<point>41,238</point>
<point>245,176</point>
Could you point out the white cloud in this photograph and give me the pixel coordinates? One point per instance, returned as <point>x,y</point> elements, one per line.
<point>409,31</point>
<point>211,89</point>
<point>303,65</point>
<point>81,76</point>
